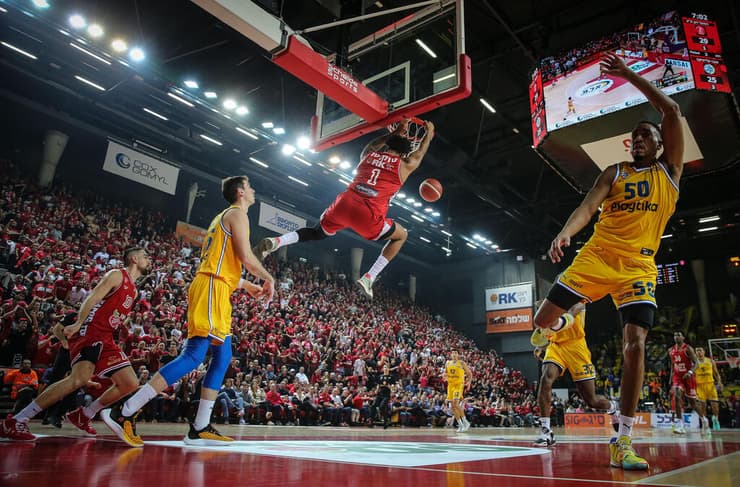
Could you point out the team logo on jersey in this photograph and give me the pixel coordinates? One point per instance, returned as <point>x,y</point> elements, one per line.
<point>633,206</point>
<point>129,301</point>
<point>624,175</point>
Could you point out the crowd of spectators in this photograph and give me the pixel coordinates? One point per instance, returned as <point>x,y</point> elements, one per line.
<point>311,357</point>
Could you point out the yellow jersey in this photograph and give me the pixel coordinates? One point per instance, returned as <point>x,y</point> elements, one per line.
<point>218,257</point>
<point>704,372</point>
<point>455,372</point>
<point>575,332</point>
<point>636,210</point>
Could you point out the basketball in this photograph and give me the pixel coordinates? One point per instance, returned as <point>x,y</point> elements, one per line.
<point>430,190</point>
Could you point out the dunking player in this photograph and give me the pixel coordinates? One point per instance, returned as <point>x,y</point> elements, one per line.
<point>636,200</point>
<point>458,375</point>
<point>225,250</point>
<point>93,350</point>
<point>386,163</point>
<point>706,388</point>
<point>567,350</point>
<point>683,379</point>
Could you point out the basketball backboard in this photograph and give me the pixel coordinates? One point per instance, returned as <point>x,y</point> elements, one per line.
<point>415,64</point>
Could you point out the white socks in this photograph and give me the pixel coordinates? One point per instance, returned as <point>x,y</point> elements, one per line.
<point>377,267</point>
<point>91,410</point>
<point>287,239</point>
<point>613,408</point>
<point>625,426</point>
<point>28,412</point>
<point>545,422</point>
<point>203,418</point>
<point>145,394</point>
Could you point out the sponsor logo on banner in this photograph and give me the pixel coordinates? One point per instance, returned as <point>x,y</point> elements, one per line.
<point>508,320</point>
<point>606,152</point>
<point>136,166</point>
<point>509,308</point>
<point>382,453</point>
<point>278,220</point>
<point>602,420</point>
<point>509,297</point>
<point>190,234</point>
<point>666,420</point>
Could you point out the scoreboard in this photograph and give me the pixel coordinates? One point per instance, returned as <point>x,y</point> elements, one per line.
<point>705,53</point>
<point>668,273</point>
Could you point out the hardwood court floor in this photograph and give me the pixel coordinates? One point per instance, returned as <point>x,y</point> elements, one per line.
<point>307,456</point>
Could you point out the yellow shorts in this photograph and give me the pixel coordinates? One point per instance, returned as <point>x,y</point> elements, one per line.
<point>455,392</point>
<point>574,356</point>
<point>706,391</point>
<point>596,272</point>
<point>209,308</point>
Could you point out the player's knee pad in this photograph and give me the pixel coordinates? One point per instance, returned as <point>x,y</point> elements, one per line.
<point>315,233</point>
<point>220,359</point>
<point>190,358</point>
<point>640,314</point>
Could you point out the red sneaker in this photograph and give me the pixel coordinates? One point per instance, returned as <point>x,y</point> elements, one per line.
<point>78,419</point>
<point>13,430</point>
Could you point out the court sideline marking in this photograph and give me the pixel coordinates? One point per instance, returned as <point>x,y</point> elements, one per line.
<point>687,468</point>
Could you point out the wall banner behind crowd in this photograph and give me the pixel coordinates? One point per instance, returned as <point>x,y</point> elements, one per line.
<point>509,308</point>
<point>190,234</point>
<point>131,164</point>
<point>278,220</point>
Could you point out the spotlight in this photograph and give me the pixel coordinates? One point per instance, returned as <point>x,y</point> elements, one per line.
<point>137,54</point>
<point>288,149</point>
<point>40,3</point>
<point>242,110</point>
<point>119,45</point>
<point>229,104</point>
<point>303,142</point>
<point>95,31</point>
<point>77,21</point>
<point>191,84</point>
<point>210,95</point>
<point>345,165</point>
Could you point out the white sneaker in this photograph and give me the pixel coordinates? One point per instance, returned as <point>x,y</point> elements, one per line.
<point>705,423</point>
<point>366,285</point>
<point>466,425</point>
<point>679,430</point>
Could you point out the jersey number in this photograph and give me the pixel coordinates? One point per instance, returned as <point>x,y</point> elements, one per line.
<point>642,288</point>
<point>374,177</point>
<point>643,189</point>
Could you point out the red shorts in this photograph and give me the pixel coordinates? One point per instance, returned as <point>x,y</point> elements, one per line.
<point>688,386</point>
<point>100,350</point>
<point>351,210</point>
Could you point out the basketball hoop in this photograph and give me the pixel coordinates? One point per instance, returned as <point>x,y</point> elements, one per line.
<point>732,361</point>
<point>415,131</point>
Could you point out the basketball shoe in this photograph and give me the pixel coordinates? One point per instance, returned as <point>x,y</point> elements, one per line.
<point>366,285</point>
<point>123,426</point>
<point>715,423</point>
<point>207,436</point>
<point>78,419</point>
<point>265,247</point>
<point>624,456</point>
<point>679,430</point>
<point>14,430</point>
<point>546,438</point>
<point>541,337</point>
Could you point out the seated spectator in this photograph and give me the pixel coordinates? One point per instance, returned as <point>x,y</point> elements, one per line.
<point>24,385</point>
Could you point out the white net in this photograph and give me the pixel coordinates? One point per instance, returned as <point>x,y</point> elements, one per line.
<point>725,351</point>
<point>415,132</point>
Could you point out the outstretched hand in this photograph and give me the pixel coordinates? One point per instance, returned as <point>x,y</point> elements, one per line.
<point>613,65</point>
<point>556,248</point>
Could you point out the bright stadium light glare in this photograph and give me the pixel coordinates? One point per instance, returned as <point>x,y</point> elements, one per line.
<point>77,21</point>
<point>137,54</point>
<point>487,105</point>
<point>418,204</point>
<point>334,160</point>
<point>119,45</point>
<point>446,233</point>
<point>40,4</point>
<point>345,165</point>
<point>190,83</point>
<point>278,131</point>
<point>241,110</point>
<point>267,125</point>
<point>18,50</point>
<point>229,104</point>
<point>247,133</point>
<point>288,149</point>
<point>303,142</point>
<point>436,213</point>
<point>211,95</point>
<point>95,31</point>
<point>428,210</point>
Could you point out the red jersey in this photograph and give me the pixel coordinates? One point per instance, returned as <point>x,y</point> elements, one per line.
<point>378,177</point>
<point>680,359</point>
<point>112,310</point>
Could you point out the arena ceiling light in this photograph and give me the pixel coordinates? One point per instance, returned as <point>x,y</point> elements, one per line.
<point>229,104</point>
<point>477,237</point>
<point>92,55</point>
<point>279,131</point>
<point>487,105</point>
<point>267,125</point>
<point>288,149</point>
<point>344,165</point>
<point>425,239</point>
<point>708,219</point>
<point>667,235</point>
<point>137,54</point>
<point>77,21</point>
<point>426,48</point>
<point>119,45</point>
<point>89,83</point>
<point>401,195</point>
<point>211,140</point>
<point>445,232</point>
<point>298,181</point>
<point>302,161</point>
<point>472,246</point>
<point>40,4</point>
<point>241,110</point>
<point>418,204</point>
<point>303,142</point>
<point>436,213</point>
<point>258,162</point>
<point>247,133</point>
<point>428,210</point>
<point>447,76</point>
<point>344,182</point>
<point>155,114</point>
<point>191,84</point>
<point>415,217</point>
<point>18,50</point>
<point>3,10</point>
<point>447,250</point>
<point>95,31</point>
<point>181,100</point>
<point>211,95</point>
<point>410,200</point>
<point>334,160</point>
<point>708,229</point>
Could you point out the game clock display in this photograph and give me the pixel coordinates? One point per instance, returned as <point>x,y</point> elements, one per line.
<point>701,34</point>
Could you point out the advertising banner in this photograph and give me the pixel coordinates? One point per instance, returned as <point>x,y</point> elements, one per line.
<point>131,164</point>
<point>278,220</point>
<point>190,234</point>
<point>509,308</point>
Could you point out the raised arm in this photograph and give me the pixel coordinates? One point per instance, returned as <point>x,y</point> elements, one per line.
<point>671,129</point>
<point>379,142</point>
<point>414,159</point>
<point>583,213</point>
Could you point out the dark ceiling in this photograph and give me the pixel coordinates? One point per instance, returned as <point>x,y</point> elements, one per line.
<point>495,185</point>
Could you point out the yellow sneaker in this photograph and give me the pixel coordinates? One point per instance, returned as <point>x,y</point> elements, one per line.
<point>207,436</point>
<point>123,426</point>
<point>622,455</point>
<point>540,337</point>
